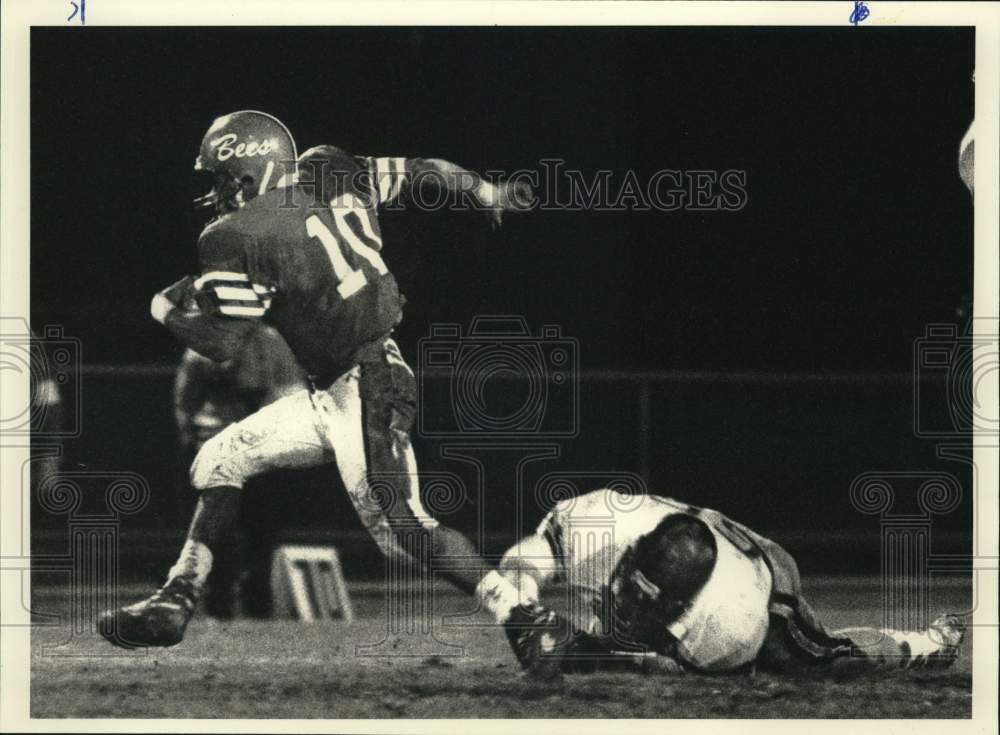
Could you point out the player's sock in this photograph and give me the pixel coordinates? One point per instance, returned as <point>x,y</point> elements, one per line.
<point>212,525</point>
<point>500,596</point>
<point>924,649</point>
<point>193,564</point>
<point>937,646</point>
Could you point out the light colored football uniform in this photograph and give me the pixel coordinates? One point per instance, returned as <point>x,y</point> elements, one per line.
<point>727,621</point>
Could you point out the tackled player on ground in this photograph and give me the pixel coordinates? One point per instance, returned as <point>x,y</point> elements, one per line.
<point>660,585</point>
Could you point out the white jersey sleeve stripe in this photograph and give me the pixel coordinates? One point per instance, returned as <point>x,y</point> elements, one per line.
<point>390,173</point>
<point>398,166</point>
<point>220,276</point>
<point>233,310</point>
<point>236,294</point>
<point>233,294</point>
<point>383,176</point>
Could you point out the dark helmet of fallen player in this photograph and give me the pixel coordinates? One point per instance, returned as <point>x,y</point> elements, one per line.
<point>247,153</point>
<point>669,565</point>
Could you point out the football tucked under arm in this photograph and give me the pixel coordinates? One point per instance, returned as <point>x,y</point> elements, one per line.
<point>212,315</point>
<point>218,338</point>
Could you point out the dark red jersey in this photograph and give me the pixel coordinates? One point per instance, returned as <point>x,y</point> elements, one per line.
<point>307,259</point>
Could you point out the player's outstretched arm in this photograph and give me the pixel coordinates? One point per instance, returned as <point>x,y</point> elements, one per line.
<point>427,178</point>
<point>512,195</point>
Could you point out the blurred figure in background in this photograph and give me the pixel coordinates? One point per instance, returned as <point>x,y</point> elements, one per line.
<point>47,416</point>
<point>967,172</point>
<point>208,397</point>
<point>967,154</point>
<point>46,444</point>
<point>967,158</point>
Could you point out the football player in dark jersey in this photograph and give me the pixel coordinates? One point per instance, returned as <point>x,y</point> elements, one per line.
<point>297,243</point>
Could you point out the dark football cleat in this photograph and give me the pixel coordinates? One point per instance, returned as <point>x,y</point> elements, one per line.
<point>159,620</point>
<point>536,635</point>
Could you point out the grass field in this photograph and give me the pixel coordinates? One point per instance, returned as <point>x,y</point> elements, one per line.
<point>251,669</point>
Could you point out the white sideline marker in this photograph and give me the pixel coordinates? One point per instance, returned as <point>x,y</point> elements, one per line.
<point>307,582</point>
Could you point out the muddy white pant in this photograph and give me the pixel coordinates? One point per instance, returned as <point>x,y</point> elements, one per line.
<point>361,421</point>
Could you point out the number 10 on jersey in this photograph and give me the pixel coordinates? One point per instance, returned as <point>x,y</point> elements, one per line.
<point>344,209</point>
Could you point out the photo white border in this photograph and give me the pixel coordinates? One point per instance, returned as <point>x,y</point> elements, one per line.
<point>16,18</point>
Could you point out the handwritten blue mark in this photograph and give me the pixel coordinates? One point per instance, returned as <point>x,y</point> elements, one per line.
<point>861,12</point>
<point>79,8</point>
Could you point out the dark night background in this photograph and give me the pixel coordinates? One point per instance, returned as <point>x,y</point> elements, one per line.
<point>856,234</point>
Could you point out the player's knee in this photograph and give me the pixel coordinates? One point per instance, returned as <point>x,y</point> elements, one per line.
<point>678,556</point>
<point>216,465</point>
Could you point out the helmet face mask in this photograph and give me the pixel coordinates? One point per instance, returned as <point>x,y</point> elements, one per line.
<point>247,153</point>
<point>225,194</point>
